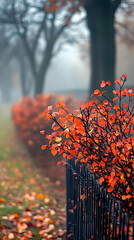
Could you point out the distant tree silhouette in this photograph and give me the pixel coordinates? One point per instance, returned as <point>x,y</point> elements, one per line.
<point>39,26</point>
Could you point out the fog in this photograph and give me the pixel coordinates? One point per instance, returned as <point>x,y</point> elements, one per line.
<point>74,73</point>
<point>68,71</point>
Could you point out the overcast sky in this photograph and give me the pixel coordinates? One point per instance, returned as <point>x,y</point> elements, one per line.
<point>67,72</point>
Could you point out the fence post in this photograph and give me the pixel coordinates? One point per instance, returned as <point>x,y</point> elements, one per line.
<point>68,201</point>
<point>92,213</point>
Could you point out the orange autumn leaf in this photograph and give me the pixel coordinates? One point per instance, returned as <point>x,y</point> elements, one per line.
<point>128,189</point>
<point>2,200</point>
<point>96,91</point>
<point>94,164</point>
<point>115,99</point>
<point>54,152</point>
<point>78,122</point>
<point>124,105</point>
<point>110,189</point>
<point>76,145</point>
<point>15,215</point>
<point>105,102</point>
<point>58,163</point>
<point>40,195</point>
<point>70,117</point>
<point>43,147</point>
<point>61,111</point>
<point>128,146</point>
<point>101,180</point>
<point>60,104</point>
<point>64,155</point>
<point>118,81</point>
<point>128,196</point>
<point>42,132</point>
<point>48,117</point>
<point>116,107</point>
<point>115,92</point>
<point>102,164</point>
<point>124,75</point>
<point>62,119</point>
<point>82,196</point>
<point>103,84</point>
<point>108,83</point>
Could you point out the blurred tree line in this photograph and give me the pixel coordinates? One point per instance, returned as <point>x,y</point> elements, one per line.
<point>33,32</point>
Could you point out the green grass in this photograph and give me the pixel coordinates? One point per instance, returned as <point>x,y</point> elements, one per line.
<point>19,179</point>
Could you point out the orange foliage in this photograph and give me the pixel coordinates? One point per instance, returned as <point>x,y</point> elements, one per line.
<point>101,135</point>
<point>29,119</point>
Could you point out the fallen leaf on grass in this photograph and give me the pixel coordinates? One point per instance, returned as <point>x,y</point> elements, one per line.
<point>2,200</point>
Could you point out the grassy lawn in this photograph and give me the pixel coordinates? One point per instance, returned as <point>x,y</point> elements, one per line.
<point>30,206</point>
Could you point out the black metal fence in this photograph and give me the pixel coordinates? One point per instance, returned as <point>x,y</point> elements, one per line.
<point>92,213</point>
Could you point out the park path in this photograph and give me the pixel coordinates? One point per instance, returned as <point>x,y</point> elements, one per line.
<point>31,206</point>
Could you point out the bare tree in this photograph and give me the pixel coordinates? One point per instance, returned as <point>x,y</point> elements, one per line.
<point>5,52</point>
<point>24,72</point>
<point>39,25</point>
<point>12,51</point>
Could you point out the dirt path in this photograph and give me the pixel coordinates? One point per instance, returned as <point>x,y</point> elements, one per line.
<point>31,206</point>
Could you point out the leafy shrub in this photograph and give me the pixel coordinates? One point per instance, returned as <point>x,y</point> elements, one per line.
<point>100,135</point>
<point>29,119</point>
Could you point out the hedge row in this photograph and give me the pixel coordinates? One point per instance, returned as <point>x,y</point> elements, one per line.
<point>28,117</point>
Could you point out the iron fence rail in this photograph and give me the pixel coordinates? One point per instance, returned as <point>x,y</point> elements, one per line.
<point>92,213</point>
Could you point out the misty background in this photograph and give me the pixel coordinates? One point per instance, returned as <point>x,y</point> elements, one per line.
<point>70,69</point>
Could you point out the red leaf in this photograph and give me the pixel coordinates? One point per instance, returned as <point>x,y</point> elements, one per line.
<point>42,132</point>
<point>118,81</point>
<point>124,105</point>
<point>116,107</point>
<point>114,99</point>
<point>96,91</point>
<point>61,111</point>
<point>103,84</point>
<point>108,83</point>
<point>54,151</point>
<point>124,75</point>
<point>43,147</point>
<point>82,196</point>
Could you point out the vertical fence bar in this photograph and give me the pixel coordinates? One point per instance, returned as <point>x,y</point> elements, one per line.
<point>97,208</point>
<point>78,201</point>
<point>81,205</point>
<point>86,203</point>
<point>73,197</point>
<point>93,196</point>
<point>68,194</point>
<point>91,212</point>
<point>118,221</point>
<point>125,227</point>
<point>82,200</point>
<point>133,230</point>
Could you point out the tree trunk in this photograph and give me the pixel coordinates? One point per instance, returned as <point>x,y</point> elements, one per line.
<point>6,91</point>
<point>100,21</point>
<point>25,82</point>
<point>39,83</point>
<point>41,75</point>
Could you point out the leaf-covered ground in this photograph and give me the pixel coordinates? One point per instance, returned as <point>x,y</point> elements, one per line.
<point>31,206</point>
